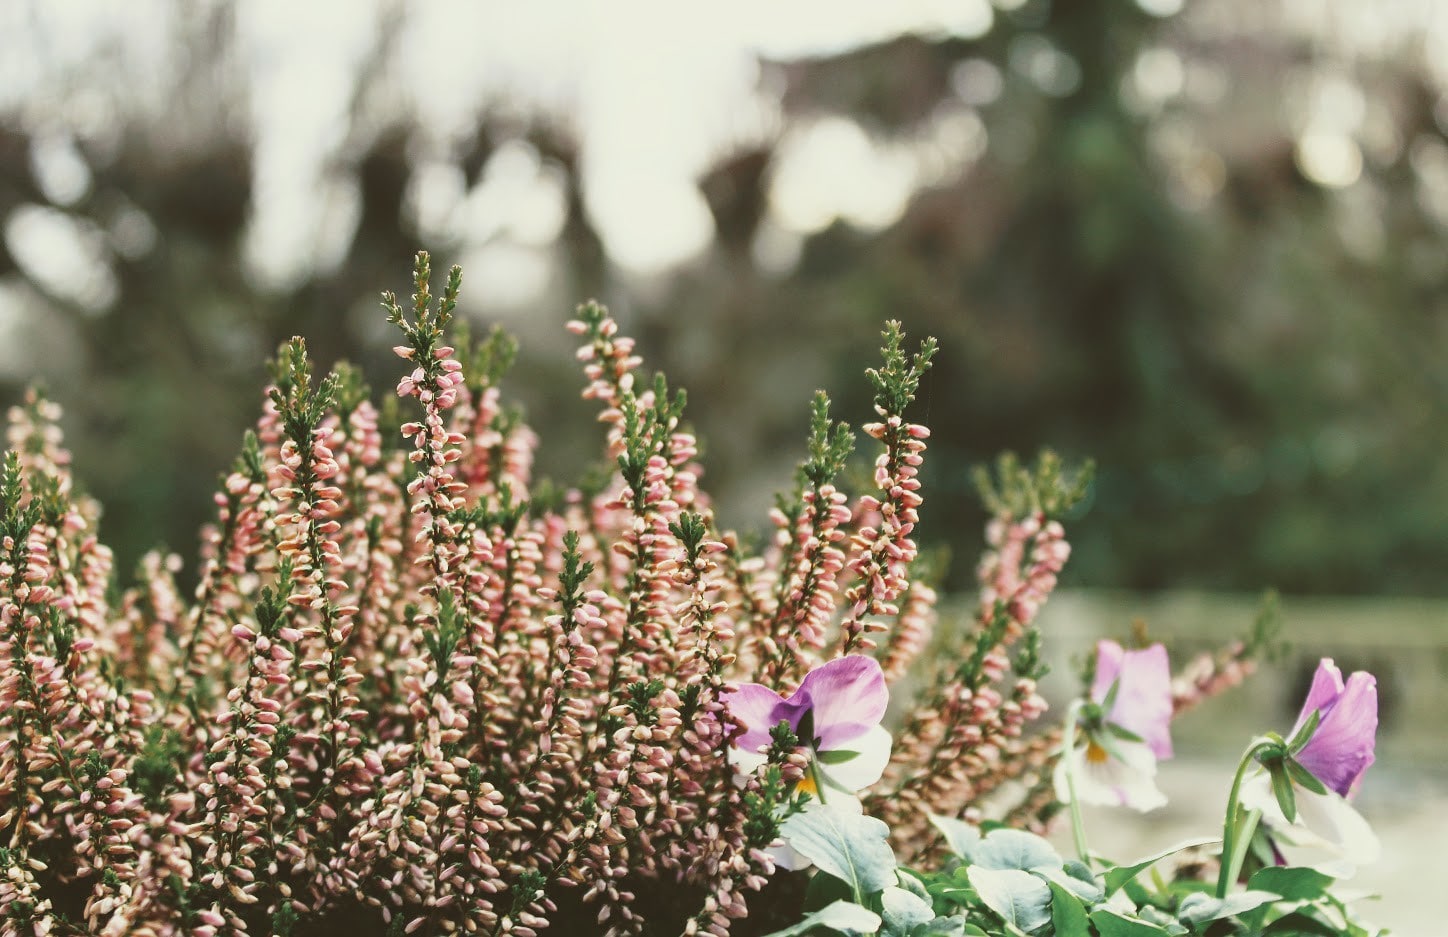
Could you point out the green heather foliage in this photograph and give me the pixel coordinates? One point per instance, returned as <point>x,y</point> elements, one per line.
<point>419,691</point>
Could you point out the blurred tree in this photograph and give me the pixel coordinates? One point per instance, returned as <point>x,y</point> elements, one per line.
<point>1257,390</point>
<point>1156,251</point>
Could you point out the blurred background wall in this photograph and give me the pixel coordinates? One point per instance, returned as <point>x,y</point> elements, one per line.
<point>1201,241</point>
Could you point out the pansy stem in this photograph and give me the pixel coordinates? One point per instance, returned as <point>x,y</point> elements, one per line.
<point>1238,827</point>
<point>1068,742</point>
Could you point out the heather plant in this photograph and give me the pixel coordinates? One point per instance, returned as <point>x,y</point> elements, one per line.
<point>419,691</point>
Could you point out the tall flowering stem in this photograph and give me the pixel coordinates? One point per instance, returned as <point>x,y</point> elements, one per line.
<point>434,383</point>
<point>811,525</point>
<point>883,552</point>
<point>968,735</point>
<point>326,712</point>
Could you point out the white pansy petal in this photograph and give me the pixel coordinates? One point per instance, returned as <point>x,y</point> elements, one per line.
<point>1337,820</point>
<point>1256,794</point>
<point>1329,835</point>
<point>788,858</point>
<point>865,768</point>
<point>838,798</point>
<point>1125,777</point>
<point>745,763</point>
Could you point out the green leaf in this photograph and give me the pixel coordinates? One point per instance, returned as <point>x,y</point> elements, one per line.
<point>1076,879</point>
<point>1018,897</point>
<point>1302,777</point>
<point>1200,908</point>
<point>1159,918</point>
<point>1126,735</point>
<point>903,911</point>
<point>1111,924</point>
<point>1296,883</point>
<point>1068,917</point>
<point>1299,923</point>
<point>837,757</point>
<point>1119,876</point>
<point>1109,703</point>
<point>960,837</point>
<point>1014,849</point>
<point>844,917</point>
<point>1282,790</point>
<point>849,846</point>
<point>911,883</point>
<point>1303,735</point>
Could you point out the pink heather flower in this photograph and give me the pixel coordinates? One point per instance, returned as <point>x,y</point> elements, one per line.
<point>1328,833</point>
<point>835,712</point>
<point>1115,762</point>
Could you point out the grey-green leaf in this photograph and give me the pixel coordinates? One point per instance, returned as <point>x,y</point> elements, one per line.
<point>1014,849</point>
<point>1199,908</point>
<point>903,911</point>
<point>1076,879</point>
<point>849,846</point>
<point>843,917</point>
<point>1018,897</point>
<point>960,837</point>
<point>913,885</point>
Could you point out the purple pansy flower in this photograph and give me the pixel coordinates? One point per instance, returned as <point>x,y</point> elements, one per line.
<point>835,712</point>
<point>1110,769</point>
<point>1341,748</point>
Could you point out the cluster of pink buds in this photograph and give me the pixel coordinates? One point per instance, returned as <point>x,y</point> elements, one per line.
<point>883,553</point>
<point>970,735</point>
<point>413,693</point>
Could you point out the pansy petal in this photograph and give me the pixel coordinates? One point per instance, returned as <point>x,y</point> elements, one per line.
<point>1327,686</point>
<point>1342,747</point>
<point>1124,778</point>
<point>872,755</point>
<point>756,708</point>
<point>1109,656</point>
<point>837,798</point>
<point>788,858</point>
<point>847,696</point>
<point>1336,820</point>
<point>744,762</point>
<point>1143,702</point>
<point>1328,835</point>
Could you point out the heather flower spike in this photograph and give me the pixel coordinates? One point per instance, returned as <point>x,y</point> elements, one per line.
<point>1303,788</point>
<point>835,714</point>
<point>1121,732</point>
<point>419,691</point>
